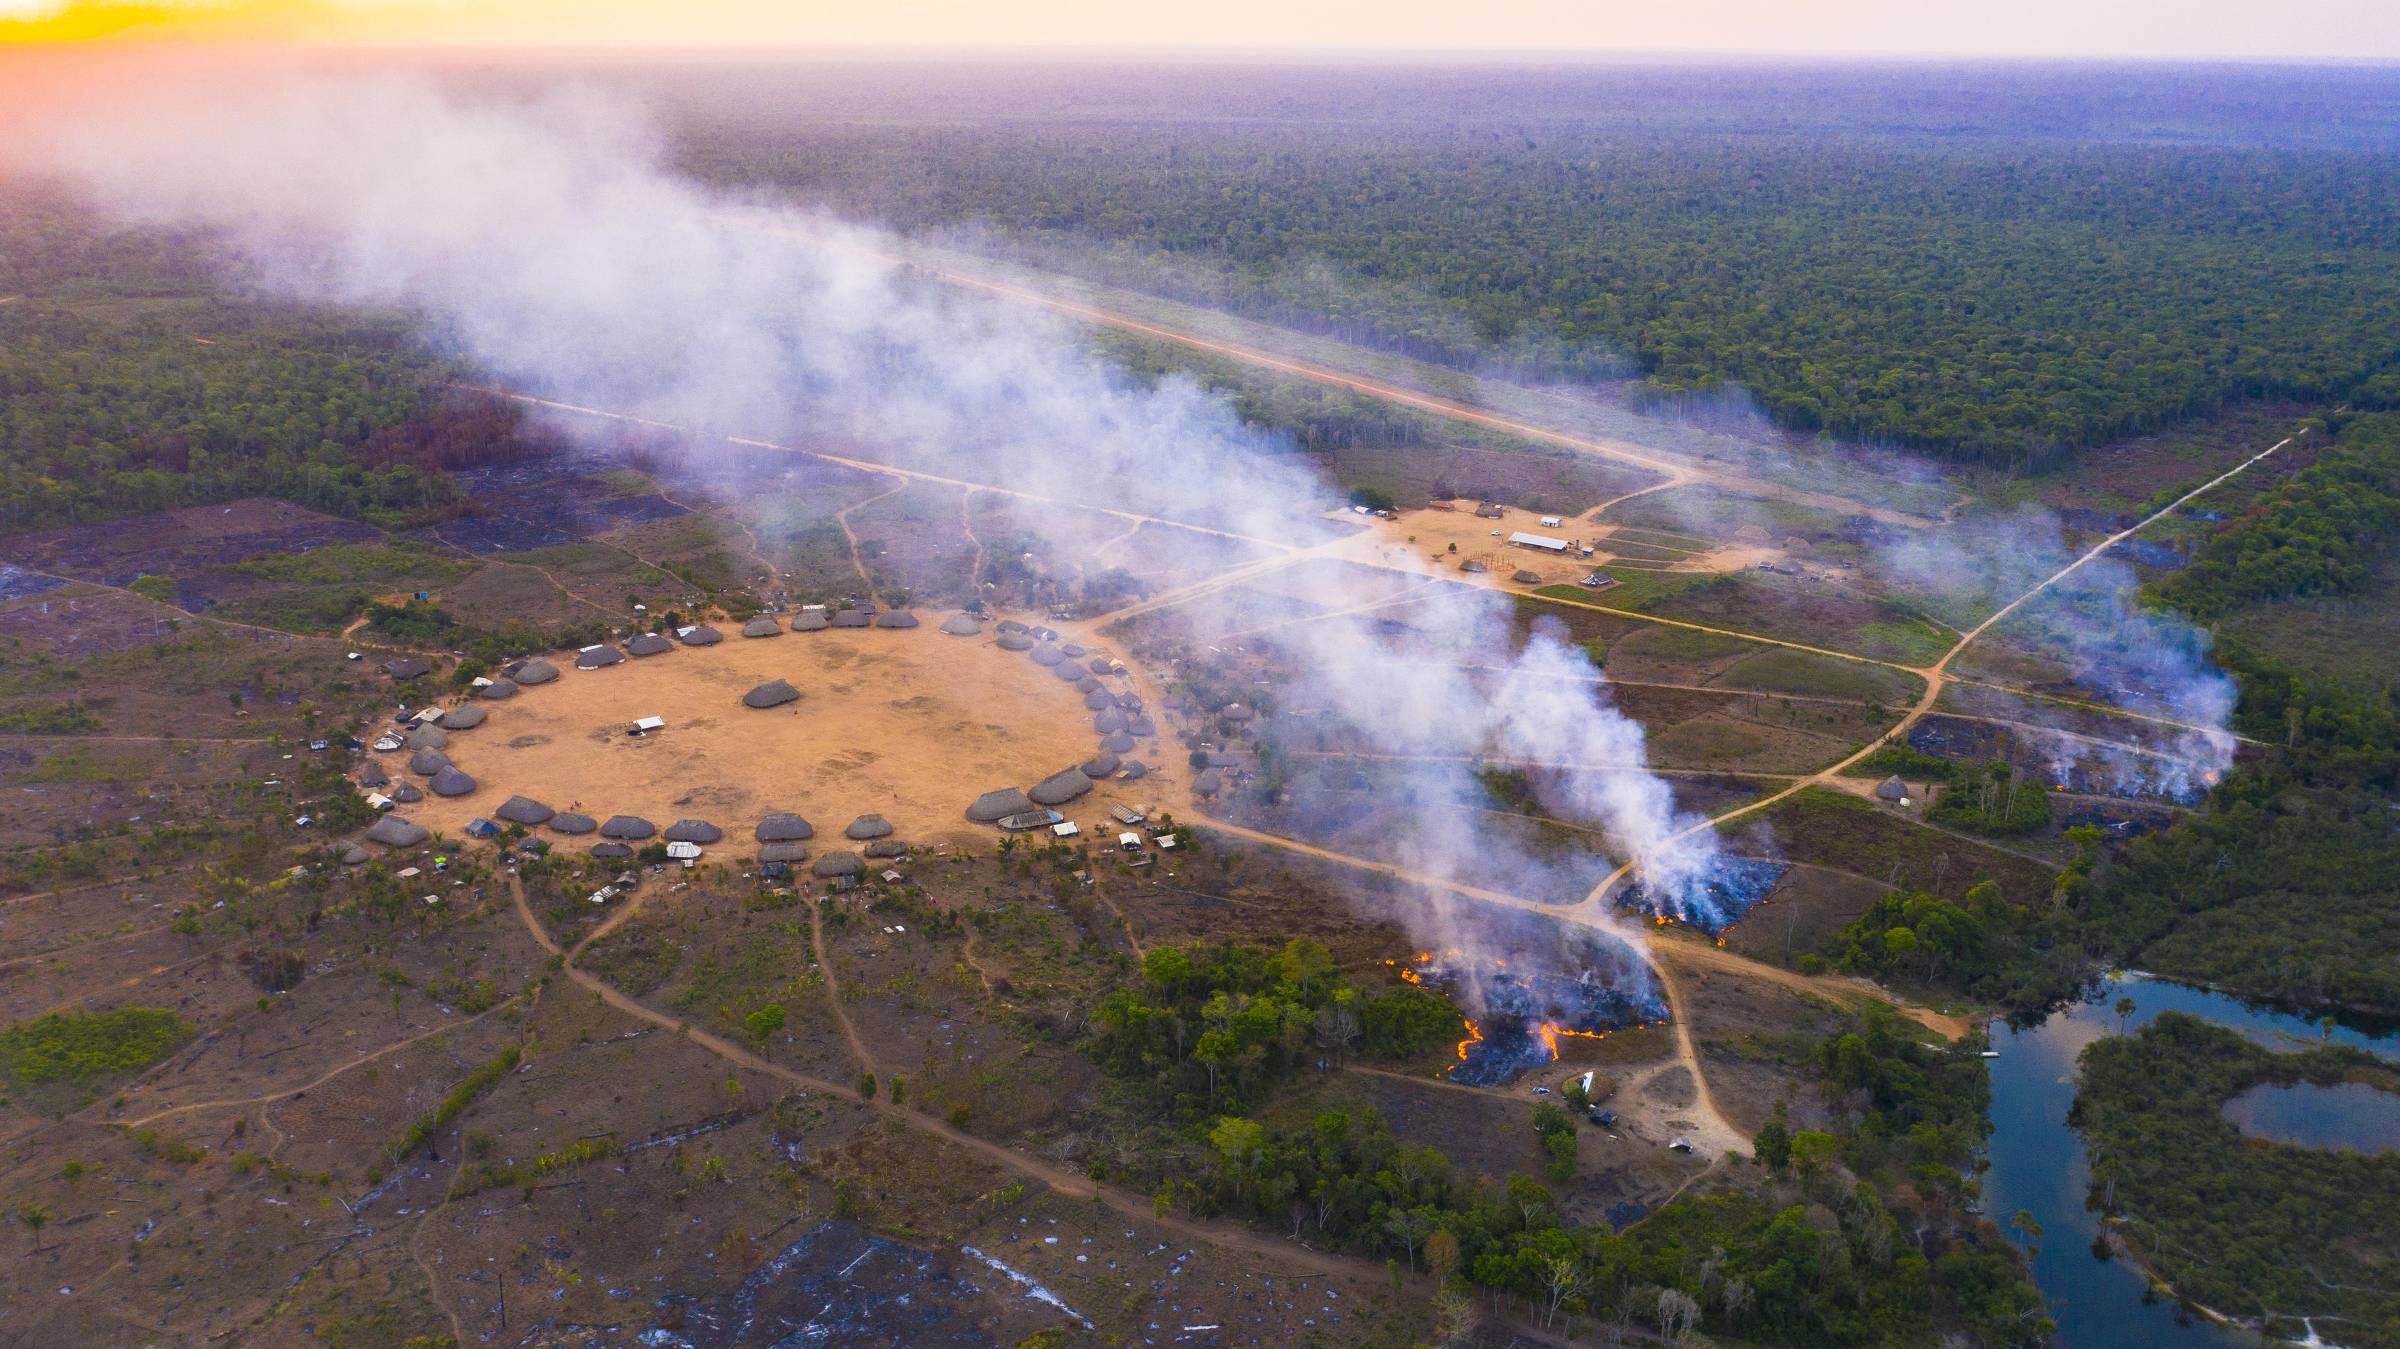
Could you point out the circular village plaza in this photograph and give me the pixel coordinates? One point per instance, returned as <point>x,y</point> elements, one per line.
<point>825,745</point>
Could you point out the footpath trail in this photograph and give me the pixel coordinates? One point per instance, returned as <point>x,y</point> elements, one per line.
<point>1137,1209</point>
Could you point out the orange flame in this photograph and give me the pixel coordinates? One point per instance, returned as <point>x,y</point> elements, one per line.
<point>1474,1037</point>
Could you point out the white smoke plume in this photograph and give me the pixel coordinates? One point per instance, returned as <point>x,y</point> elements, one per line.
<point>2093,637</point>
<point>545,242</point>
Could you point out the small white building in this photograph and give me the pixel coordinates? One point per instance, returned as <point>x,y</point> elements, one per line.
<point>1538,542</point>
<point>1066,829</point>
<point>648,724</point>
<point>1552,521</point>
<point>684,852</point>
<point>1130,842</point>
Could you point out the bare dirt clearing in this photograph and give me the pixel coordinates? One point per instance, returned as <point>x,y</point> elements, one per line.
<point>911,725</point>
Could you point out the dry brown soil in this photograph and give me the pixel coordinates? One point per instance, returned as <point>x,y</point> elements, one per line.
<point>910,725</point>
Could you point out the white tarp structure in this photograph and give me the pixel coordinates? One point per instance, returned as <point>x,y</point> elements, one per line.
<point>1541,541</point>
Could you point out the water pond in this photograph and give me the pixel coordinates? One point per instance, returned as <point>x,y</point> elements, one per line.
<point>2038,1163</point>
<point>2357,1116</point>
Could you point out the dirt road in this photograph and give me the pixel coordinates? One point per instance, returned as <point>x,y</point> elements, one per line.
<point>1137,1209</point>
<point>1676,470</point>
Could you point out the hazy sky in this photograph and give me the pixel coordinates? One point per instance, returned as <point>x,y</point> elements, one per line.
<point>2322,29</point>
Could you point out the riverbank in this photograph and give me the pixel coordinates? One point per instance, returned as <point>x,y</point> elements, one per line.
<point>2041,1165</point>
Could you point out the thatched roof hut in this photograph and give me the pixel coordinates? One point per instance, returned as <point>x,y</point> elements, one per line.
<point>524,810</point>
<point>451,782</point>
<point>534,671</point>
<point>1142,726</point>
<point>852,618</point>
<point>1100,765</point>
<point>1892,789</point>
<point>393,832</point>
<point>1098,700</point>
<point>497,689</point>
<point>962,625</point>
<point>693,831</point>
<point>1755,536</point>
<point>869,826</point>
<point>1013,641</point>
<point>1473,567</point>
<point>567,822</point>
<point>648,644</point>
<point>887,847</point>
<point>811,621</point>
<point>1120,743</point>
<point>762,626</point>
<point>426,735</point>
<point>354,855</point>
<point>372,775</point>
<point>783,852</point>
<point>612,852</point>
<point>1134,769</point>
<point>598,657</point>
<point>1526,576</point>
<point>406,667</point>
<point>1209,783</point>
<point>1046,654</point>
<point>1236,713</point>
<point>773,693</point>
<point>427,762</point>
<point>1012,625</point>
<point>897,618</point>
<point>699,634</point>
<point>408,793</point>
<point>1072,651</point>
<point>627,826</point>
<point>1110,720</point>
<point>837,864</point>
<point>1060,787</point>
<point>995,806</point>
<point>465,718</point>
<point>783,827</point>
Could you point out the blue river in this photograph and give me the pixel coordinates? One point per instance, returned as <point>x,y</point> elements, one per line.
<point>2038,1163</point>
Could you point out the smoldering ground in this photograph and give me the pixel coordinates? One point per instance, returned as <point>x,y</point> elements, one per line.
<point>544,243</point>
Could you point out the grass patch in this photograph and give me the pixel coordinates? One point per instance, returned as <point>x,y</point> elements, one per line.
<point>83,767</point>
<point>395,566</point>
<point>1782,670</point>
<point>1659,642</point>
<point>1636,588</point>
<point>69,718</point>
<point>1835,829</point>
<point>1908,641</point>
<point>84,1048</point>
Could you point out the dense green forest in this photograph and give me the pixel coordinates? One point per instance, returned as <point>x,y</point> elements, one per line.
<point>2238,1225</point>
<point>2280,884</point>
<point>1204,1036</point>
<point>2318,535</point>
<point>131,380</point>
<point>2018,957</point>
<point>1999,300</point>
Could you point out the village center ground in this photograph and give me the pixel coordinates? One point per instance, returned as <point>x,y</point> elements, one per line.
<point>907,724</point>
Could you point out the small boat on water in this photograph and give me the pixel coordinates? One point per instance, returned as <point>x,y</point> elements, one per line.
<point>1032,819</point>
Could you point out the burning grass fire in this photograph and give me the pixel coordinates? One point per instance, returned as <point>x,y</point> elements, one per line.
<point>1517,1016</point>
<point>1715,903</point>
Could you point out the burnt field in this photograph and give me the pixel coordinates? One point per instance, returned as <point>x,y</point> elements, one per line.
<point>521,507</point>
<point>180,544</point>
